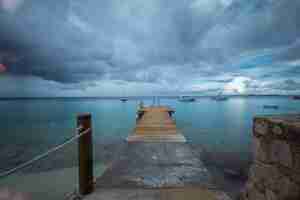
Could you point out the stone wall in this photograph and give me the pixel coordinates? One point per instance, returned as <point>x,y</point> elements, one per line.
<point>275,172</point>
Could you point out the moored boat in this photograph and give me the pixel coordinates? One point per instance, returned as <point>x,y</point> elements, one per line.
<point>271,107</point>
<point>220,97</point>
<point>296,97</point>
<point>123,99</point>
<point>186,99</point>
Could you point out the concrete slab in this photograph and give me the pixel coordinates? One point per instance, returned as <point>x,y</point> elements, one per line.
<point>187,193</point>
<point>156,165</point>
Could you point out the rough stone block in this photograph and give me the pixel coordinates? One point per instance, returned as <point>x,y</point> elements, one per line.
<point>288,189</point>
<point>261,148</point>
<point>275,151</point>
<point>261,127</point>
<point>277,130</point>
<point>283,127</point>
<point>256,179</point>
<point>281,153</point>
<point>254,194</point>
<point>270,195</point>
<point>296,156</point>
<point>294,132</point>
<point>292,174</point>
<point>265,176</point>
<point>295,176</point>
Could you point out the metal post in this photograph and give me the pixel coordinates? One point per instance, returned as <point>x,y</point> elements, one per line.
<point>85,153</point>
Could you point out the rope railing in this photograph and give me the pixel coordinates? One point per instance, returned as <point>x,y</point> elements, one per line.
<point>45,154</point>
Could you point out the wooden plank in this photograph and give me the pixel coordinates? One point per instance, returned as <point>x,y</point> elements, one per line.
<point>155,124</point>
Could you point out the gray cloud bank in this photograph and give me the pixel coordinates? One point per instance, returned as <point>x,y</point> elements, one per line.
<point>164,42</point>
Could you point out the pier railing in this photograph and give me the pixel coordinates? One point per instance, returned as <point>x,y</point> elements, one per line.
<point>45,176</point>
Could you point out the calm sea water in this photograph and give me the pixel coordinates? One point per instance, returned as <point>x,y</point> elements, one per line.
<point>34,125</point>
<point>30,127</point>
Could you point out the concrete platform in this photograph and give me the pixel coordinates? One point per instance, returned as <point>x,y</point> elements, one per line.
<point>156,165</point>
<point>157,171</point>
<point>188,193</point>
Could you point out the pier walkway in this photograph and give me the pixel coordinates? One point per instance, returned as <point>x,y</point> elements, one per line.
<point>155,124</point>
<point>156,163</point>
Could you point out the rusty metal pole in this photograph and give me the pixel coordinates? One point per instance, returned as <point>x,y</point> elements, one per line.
<point>85,154</point>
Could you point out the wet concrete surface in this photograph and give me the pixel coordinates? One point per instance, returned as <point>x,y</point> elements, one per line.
<point>156,165</point>
<point>187,193</point>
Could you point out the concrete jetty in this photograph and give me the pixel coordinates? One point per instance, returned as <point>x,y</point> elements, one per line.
<point>156,163</point>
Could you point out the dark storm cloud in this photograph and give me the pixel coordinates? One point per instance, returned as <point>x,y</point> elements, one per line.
<point>149,41</point>
<point>115,33</point>
<point>260,23</point>
<point>290,53</point>
<point>286,85</point>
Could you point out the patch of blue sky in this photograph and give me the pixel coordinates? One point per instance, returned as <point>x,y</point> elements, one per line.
<point>259,60</point>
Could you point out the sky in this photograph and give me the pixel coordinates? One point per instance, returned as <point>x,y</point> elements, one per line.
<point>158,47</point>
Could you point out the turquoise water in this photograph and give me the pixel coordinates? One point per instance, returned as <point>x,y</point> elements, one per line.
<point>31,126</point>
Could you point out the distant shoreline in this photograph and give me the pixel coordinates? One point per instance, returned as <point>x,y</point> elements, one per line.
<point>136,97</point>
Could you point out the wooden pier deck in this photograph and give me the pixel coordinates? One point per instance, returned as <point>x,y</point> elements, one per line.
<point>155,124</point>
<point>156,163</point>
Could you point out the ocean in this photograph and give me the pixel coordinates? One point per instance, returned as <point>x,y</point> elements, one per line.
<point>222,128</point>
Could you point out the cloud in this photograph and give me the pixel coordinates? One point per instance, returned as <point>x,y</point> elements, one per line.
<point>238,85</point>
<point>187,45</point>
<point>248,25</point>
<point>286,85</point>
